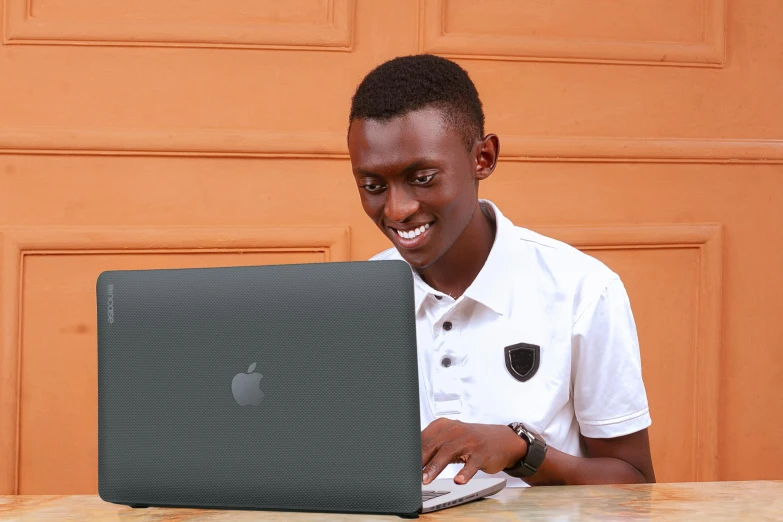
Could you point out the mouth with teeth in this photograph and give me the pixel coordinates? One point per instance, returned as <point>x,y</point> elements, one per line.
<point>413,237</point>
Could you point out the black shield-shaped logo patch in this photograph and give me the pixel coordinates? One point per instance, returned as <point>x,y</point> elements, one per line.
<point>522,360</point>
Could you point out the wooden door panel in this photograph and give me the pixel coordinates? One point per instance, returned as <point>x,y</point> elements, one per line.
<point>56,346</point>
<point>58,357</point>
<point>596,31</point>
<point>236,23</point>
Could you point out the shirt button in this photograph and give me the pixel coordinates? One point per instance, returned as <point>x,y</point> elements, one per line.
<point>438,297</point>
<point>447,325</point>
<point>446,362</point>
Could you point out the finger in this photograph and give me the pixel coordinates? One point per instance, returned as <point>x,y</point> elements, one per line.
<point>447,454</point>
<point>437,426</point>
<point>468,471</point>
<point>433,437</point>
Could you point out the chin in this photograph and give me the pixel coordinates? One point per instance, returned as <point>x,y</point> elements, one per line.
<point>419,262</point>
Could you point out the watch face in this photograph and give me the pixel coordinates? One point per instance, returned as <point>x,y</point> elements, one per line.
<point>519,429</point>
<point>526,433</point>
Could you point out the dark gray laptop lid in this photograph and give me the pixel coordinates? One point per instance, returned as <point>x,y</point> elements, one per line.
<point>335,426</point>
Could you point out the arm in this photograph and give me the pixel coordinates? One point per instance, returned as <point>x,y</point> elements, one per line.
<point>493,448</point>
<point>621,460</point>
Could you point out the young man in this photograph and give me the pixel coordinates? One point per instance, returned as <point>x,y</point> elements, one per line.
<point>528,353</point>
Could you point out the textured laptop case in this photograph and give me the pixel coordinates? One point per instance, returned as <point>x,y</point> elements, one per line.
<point>291,387</point>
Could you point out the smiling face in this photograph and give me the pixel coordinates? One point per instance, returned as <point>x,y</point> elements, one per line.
<point>418,182</point>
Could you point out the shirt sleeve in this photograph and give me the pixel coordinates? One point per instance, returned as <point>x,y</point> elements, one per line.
<point>610,399</point>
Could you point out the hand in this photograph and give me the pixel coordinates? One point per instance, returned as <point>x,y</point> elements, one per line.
<point>486,447</point>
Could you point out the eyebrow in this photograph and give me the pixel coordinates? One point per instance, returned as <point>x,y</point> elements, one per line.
<point>413,166</point>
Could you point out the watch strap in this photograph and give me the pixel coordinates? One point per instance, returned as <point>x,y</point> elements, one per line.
<point>535,455</point>
<point>536,452</point>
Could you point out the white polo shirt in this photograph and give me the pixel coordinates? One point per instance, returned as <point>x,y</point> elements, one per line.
<point>532,291</point>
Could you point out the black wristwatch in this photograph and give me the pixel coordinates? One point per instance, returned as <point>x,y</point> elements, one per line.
<point>536,451</point>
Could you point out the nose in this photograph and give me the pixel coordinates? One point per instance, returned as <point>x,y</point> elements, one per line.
<point>399,205</point>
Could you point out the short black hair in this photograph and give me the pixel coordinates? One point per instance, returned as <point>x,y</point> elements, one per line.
<point>408,83</point>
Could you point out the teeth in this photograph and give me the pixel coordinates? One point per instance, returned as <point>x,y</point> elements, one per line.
<point>413,233</point>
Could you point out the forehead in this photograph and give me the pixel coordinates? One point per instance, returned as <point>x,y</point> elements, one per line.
<point>423,134</point>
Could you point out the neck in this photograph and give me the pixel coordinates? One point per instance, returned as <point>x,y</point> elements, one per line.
<point>454,272</point>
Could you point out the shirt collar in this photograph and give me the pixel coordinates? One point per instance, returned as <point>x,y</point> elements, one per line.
<point>493,284</point>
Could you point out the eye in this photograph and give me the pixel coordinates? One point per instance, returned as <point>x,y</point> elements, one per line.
<point>372,188</point>
<point>423,179</point>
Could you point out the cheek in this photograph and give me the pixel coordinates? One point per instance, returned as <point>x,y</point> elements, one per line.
<point>458,189</point>
<point>456,201</point>
<point>457,206</point>
<point>372,206</point>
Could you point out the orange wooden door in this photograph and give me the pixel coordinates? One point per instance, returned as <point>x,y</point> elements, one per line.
<point>171,133</point>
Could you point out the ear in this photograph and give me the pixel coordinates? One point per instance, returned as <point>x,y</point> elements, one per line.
<point>486,157</point>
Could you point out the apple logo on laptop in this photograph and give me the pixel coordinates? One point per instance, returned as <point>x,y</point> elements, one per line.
<point>246,387</point>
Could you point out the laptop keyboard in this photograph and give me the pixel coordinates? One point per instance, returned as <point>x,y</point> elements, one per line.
<point>429,495</point>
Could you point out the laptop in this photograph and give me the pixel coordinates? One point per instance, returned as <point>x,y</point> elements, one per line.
<point>285,387</point>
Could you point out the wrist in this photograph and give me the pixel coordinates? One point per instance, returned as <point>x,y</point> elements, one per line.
<point>534,451</point>
<point>519,451</point>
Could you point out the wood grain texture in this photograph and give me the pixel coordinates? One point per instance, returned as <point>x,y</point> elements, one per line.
<point>37,306</point>
<point>752,500</point>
